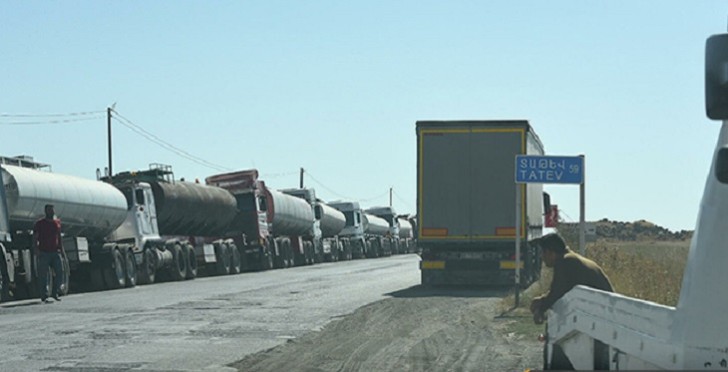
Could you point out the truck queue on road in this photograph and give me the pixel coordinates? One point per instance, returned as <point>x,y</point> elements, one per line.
<point>146,226</point>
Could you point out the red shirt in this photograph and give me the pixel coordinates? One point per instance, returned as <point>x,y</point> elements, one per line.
<point>48,233</point>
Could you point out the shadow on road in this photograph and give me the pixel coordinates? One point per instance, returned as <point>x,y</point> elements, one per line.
<point>21,303</point>
<point>449,291</point>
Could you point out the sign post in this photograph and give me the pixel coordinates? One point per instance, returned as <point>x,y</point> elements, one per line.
<point>547,169</point>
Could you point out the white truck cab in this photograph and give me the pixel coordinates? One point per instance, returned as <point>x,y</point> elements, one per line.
<point>644,335</point>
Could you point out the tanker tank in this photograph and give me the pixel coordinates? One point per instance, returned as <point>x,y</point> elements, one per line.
<point>375,225</point>
<point>86,208</point>
<point>405,228</point>
<point>191,209</point>
<point>288,214</point>
<point>332,220</point>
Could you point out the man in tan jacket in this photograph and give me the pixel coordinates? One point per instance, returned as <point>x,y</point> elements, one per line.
<point>570,270</point>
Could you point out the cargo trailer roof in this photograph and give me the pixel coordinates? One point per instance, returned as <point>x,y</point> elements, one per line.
<point>442,124</point>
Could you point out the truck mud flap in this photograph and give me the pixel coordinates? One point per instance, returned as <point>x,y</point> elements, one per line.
<point>431,275</point>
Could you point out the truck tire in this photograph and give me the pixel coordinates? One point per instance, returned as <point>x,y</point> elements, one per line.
<point>66,285</point>
<point>222,258</point>
<point>191,262</point>
<point>131,268</point>
<point>114,275</point>
<point>147,272</point>
<point>289,255</point>
<point>266,258</point>
<point>310,254</point>
<point>179,263</point>
<point>280,260</point>
<point>4,281</point>
<point>235,261</point>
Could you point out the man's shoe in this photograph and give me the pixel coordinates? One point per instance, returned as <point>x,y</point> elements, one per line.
<point>57,298</point>
<point>45,300</point>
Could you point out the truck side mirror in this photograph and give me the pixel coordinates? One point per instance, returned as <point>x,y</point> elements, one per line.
<point>716,77</point>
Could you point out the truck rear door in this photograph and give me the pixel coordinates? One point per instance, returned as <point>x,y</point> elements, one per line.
<point>466,181</point>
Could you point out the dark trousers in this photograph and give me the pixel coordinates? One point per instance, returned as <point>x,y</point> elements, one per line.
<point>48,260</point>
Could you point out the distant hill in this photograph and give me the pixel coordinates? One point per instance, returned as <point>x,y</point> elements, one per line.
<point>632,231</point>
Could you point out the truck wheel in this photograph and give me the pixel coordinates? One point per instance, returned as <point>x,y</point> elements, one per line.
<point>66,285</point>
<point>179,263</point>
<point>222,258</point>
<point>290,259</point>
<point>280,260</point>
<point>266,258</point>
<point>191,262</point>
<point>148,268</point>
<point>4,281</point>
<point>131,269</point>
<point>234,259</point>
<point>312,256</point>
<point>114,274</point>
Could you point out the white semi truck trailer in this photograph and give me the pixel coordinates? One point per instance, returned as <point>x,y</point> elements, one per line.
<point>642,335</point>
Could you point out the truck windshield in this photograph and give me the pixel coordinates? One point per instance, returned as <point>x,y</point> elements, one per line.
<point>349,218</point>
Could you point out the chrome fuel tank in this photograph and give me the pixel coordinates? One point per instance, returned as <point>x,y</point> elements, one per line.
<point>86,208</point>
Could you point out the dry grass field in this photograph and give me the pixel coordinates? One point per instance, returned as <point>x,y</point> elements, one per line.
<point>649,270</point>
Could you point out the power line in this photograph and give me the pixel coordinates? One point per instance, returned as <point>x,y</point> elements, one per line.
<point>278,175</point>
<point>8,115</point>
<point>407,204</point>
<point>324,186</point>
<point>46,122</point>
<point>340,195</point>
<point>164,144</point>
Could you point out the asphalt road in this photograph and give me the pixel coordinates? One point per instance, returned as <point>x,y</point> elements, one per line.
<point>203,324</point>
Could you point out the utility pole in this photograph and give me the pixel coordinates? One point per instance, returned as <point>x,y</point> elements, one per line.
<point>301,179</point>
<point>390,196</point>
<point>108,125</point>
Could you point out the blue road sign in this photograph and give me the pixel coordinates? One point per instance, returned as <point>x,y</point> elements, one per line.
<point>549,169</point>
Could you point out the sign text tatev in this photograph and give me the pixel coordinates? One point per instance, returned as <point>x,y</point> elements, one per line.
<point>549,169</point>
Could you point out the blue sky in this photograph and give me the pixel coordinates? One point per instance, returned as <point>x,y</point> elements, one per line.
<point>336,88</point>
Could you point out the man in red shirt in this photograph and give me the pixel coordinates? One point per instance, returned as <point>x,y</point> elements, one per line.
<point>49,248</point>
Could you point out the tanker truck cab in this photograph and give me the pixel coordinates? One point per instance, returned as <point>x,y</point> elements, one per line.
<point>354,227</point>
<point>140,226</point>
<point>252,216</point>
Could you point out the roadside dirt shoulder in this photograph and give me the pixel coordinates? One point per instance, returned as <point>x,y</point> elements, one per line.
<point>415,330</point>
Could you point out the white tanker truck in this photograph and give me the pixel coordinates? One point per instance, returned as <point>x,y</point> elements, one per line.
<point>89,210</point>
<point>406,243</point>
<point>329,222</point>
<point>392,237</point>
<point>364,232</point>
<point>642,335</point>
<point>132,227</point>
